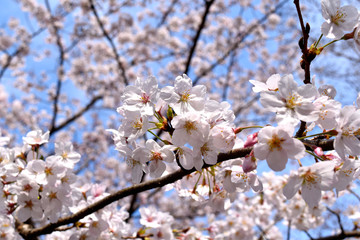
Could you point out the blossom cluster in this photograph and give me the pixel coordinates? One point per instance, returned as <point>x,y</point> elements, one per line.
<point>198,128</point>
<point>44,189</point>
<point>189,130</point>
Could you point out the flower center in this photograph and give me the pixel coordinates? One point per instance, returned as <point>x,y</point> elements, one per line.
<point>29,204</point>
<point>204,149</point>
<point>48,171</point>
<point>156,156</point>
<point>145,98</point>
<point>185,97</point>
<point>64,155</point>
<point>309,178</point>
<point>189,126</point>
<point>138,124</point>
<point>27,188</point>
<point>275,143</point>
<point>292,101</point>
<point>338,18</point>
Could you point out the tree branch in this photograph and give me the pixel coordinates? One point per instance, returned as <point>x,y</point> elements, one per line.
<point>10,57</point>
<point>304,43</point>
<point>197,35</point>
<point>155,183</point>
<point>340,236</point>
<point>241,37</point>
<point>111,42</point>
<point>75,116</point>
<point>60,73</point>
<point>338,219</point>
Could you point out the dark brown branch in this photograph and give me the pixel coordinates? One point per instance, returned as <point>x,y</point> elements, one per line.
<point>338,219</point>
<point>111,42</point>
<point>241,37</point>
<point>155,183</point>
<point>340,236</point>
<point>306,58</point>
<point>75,116</point>
<point>304,45</point>
<point>60,73</point>
<point>167,13</point>
<point>197,35</point>
<point>19,50</point>
<point>353,193</point>
<point>301,129</point>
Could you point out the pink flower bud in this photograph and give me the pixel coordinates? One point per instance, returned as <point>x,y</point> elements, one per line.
<point>251,140</point>
<point>249,163</point>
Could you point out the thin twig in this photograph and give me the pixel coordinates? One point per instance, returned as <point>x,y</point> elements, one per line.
<point>111,42</point>
<point>75,116</point>
<point>288,230</point>
<point>338,219</point>
<point>61,50</point>
<point>354,193</point>
<point>197,35</point>
<point>241,37</point>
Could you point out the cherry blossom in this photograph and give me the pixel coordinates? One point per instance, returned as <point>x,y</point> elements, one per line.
<point>338,19</point>
<point>184,97</point>
<point>328,112</point>
<point>312,180</point>
<point>67,155</point>
<point>141,96</point>
<point>36,137</point>
<point>190,128</point>
<point>348,128</point>
<point>270,85</point>
<point>276,145</point>
<point>291,102</point>
<point>154,154</point>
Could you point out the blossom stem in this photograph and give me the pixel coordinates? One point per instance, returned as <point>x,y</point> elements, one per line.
<point>314,135</point>
<point>300,164</point>
<point>195,186</point>
<point>318,41</point>
<point>314,155</point>
<point>239,129</point>
<point>156,136</point>
<point>331,42</point>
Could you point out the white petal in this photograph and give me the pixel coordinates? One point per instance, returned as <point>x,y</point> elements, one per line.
<point>292,186</point>
<point>311,195</point>
<point>261,151</point>
<point>277,160</point>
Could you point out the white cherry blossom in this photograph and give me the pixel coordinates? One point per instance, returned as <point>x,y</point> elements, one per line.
<point>270,85</point>
<point>184,97</point>
<point>190,128</point>
<point>291,103</point>
<point>328,112</point>
<point>36,137</point>
<point>348,128</point>
<point>154,154</point>
<point>28,207</point>
<point>345,173</point>
<point>67,155</point>
<point>337,19</point>
<point>141,96</point>
<point>312,180</point>
<point>276,145</point>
